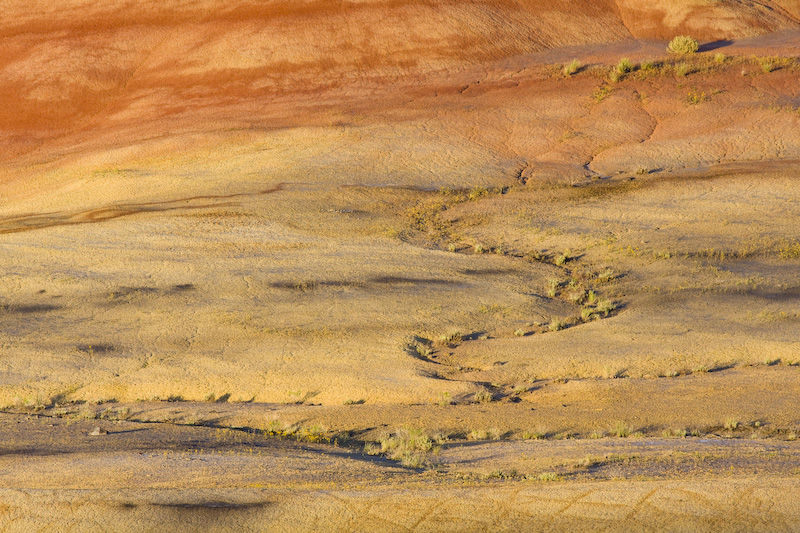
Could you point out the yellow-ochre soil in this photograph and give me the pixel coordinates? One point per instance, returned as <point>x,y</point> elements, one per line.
<point>388,266</point>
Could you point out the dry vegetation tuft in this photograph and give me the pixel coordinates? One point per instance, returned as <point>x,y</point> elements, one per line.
<point>683,44</point>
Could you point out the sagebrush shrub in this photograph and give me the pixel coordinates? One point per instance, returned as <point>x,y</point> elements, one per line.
<point>683,44</point>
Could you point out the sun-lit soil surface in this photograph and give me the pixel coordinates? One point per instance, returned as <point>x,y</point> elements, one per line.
<point>254,242</point>
<point>135,476</point>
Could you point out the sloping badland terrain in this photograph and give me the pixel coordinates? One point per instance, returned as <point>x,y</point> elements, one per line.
<point>382,265</point>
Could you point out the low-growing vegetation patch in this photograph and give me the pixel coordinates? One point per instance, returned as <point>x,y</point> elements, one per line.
<point>502,474</point>
<point>483,396</point>
<point>360,401</point>
<point>572,67</point>
<point>538,434</point>
<point>731,423</point>
<point>620,429</point>
<point>683,44</point>
<point>563,258</point>
<point>648,66</point>
<point>484,434</point>
<point>601,93</point>
<point>451,339</point>
<point>553,285</point>
<point>790,251</point>
<point>419,348</point>
<point>695,97</point>
<point>625,66</point>
<point>409,446</point>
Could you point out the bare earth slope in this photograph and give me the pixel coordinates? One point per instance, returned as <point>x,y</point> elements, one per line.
<point>326,221</point>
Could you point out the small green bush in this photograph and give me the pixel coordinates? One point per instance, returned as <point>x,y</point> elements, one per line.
<point>683,44</point>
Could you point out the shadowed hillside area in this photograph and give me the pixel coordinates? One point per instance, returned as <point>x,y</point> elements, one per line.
<point>290,260</point>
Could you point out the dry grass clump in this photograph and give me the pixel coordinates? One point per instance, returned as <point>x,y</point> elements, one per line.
<point>409,446</point>
<point>607,275</point>
<point>625,66</point>
<point>484,434</point>
<point>563,258</point>
<point>605,306</point>
<point>35,402</point>
<point>451,339</point>
<point>539,434</point>
<point>576,296</point>
<point>483,396</point>
<point>419,348</point>
<point>477,193</point>
<point>620,429</point>
<point>572,67</point>
<point>683,44</point>
<point>731,423</point>
<point>552,287</point>
<point>601,93</point>
<point>502,474</point>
